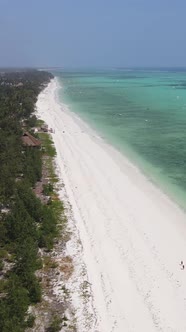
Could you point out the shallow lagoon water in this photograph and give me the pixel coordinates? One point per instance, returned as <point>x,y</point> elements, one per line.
<point>140,112</point>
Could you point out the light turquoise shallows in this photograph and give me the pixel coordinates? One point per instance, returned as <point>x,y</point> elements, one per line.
<point>142,113</point>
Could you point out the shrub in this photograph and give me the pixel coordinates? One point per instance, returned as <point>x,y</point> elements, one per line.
<point>55,326</point>
<point>30,321</point>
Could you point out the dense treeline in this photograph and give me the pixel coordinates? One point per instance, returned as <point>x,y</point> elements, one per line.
<point>25,223</point>
<point>17,104</point>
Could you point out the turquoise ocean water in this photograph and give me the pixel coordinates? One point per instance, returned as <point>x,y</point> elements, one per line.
<point>140,112</point>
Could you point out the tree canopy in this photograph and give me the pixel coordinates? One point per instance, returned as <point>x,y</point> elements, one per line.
<point>25,223</point>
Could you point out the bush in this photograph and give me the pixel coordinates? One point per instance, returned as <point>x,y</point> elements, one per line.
<point>55,325</point>
<point>48,229</point>
<point>14,306</point>
<point>48,189</point>
<point>31,203</point>
<point>30,321</point>
<point>1,264</point>
<point>35,291</point>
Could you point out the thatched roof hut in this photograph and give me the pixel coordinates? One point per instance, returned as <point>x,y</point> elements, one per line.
<point>29,140</point>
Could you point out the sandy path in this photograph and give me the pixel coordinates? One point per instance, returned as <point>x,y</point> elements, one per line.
<point>133,236</point>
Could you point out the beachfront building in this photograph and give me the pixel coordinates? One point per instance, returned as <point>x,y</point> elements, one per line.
<point>29,140</point>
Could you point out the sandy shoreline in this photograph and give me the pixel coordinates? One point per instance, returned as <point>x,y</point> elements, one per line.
<point>133,236</point>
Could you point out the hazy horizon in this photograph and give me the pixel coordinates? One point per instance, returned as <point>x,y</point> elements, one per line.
<point>67,34</point>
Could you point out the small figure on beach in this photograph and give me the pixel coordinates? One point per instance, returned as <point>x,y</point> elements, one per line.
<point>182,265</point>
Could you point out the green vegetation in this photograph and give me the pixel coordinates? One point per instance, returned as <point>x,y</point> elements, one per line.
<point>26,224</point>
<point>55,325</point>
<point>48,189</point>
<point>32,165</point>
<point>49,148</point>
<point>50,152</point>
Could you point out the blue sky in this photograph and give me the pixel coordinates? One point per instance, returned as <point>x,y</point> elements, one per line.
<point>92,33</point>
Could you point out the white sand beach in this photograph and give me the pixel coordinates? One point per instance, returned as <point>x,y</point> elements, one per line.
<point>133,236</point>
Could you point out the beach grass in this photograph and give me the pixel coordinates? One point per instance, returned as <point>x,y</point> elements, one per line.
<point>47,144</point>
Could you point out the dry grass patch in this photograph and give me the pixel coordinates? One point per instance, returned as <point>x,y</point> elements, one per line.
<point>49,263</point>
<point>66,266</point>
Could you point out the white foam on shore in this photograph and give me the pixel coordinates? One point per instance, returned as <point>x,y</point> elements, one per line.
<point>133,236</point>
